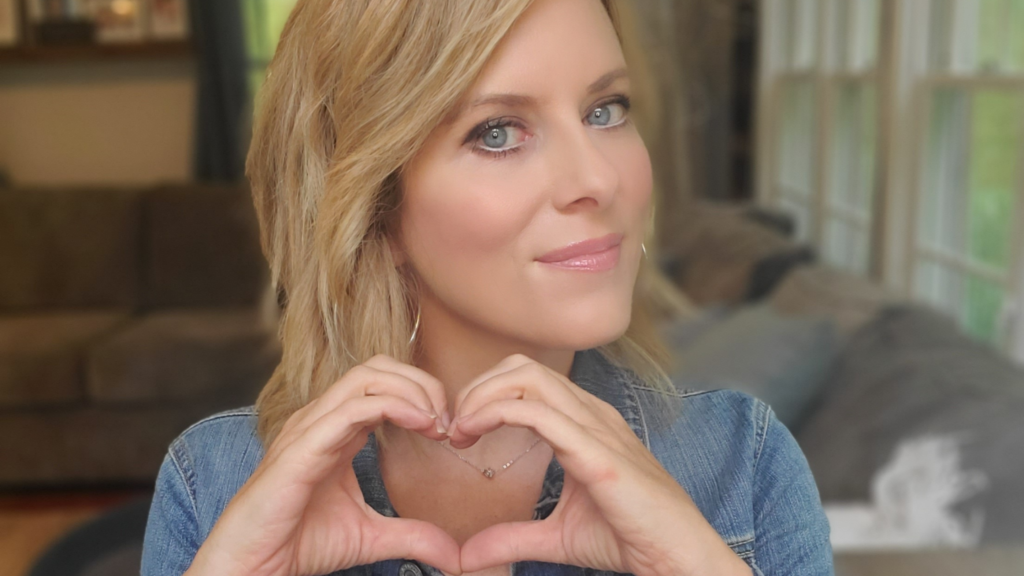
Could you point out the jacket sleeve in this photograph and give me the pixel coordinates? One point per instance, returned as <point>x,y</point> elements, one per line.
<point>171,540</point>
<point>791,531</point>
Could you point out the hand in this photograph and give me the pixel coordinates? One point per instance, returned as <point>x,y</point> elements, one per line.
<point>619,510</point>
<point>302,511</point>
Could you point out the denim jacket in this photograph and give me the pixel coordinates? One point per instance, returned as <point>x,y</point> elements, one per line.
<point>740,465</point>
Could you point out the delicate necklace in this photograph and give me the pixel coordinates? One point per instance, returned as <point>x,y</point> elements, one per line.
<point>488,472</point>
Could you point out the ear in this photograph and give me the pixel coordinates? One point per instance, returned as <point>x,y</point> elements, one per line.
<point>393,224</point>
<point>398,254</point>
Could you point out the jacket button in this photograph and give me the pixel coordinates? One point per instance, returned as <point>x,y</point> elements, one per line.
<point>410,569</point>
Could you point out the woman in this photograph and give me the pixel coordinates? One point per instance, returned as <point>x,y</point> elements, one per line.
<point>452,196</point>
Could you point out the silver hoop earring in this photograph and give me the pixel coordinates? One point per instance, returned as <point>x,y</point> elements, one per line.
<point>644,248</point>
<point>415,327</point>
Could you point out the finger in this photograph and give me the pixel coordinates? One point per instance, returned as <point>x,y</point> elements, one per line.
<point>433,387</point>
<point>529,381</point>
<point>582,451</point>
<point>364,380</point>
<point>331,438</point>
<point>513,542</point>
<point>415,539</point>
<point>506,364</point>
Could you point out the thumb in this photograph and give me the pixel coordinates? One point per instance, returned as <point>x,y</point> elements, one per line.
<point>416,540</point>
<point>512,542</point>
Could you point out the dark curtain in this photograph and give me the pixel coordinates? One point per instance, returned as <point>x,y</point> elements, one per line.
<point>691,45</point>
<point>223,93</point>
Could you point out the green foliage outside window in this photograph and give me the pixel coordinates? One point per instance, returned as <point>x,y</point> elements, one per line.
<point>264,20</point>
<point>996,147</point>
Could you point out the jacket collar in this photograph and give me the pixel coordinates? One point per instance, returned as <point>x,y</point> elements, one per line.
<point>590,371</point>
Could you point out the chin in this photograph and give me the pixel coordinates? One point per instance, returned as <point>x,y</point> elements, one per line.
<point>594,329</point>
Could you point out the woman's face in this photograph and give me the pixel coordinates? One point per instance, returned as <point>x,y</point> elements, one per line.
<point>555,160</point>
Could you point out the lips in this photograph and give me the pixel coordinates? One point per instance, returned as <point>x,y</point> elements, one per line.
<point>582,249</point>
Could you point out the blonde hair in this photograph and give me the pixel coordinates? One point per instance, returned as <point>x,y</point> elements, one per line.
<point>351,93</point>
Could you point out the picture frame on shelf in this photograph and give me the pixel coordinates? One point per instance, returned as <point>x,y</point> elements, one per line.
<point>59,23</point>
<point>50,10</point>
<point>10,23</point>
<point>43,31</point>
<point>168,20</point>
<point>119,21</point>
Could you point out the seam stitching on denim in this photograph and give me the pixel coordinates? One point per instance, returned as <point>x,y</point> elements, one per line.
<point>185,472</point>
<point>247,411</point>
<point>762,429</point>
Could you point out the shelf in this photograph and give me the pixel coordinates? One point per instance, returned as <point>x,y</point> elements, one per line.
<point>96,52</point>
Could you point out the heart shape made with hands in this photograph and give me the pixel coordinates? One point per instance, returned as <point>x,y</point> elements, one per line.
<point>619,509</point>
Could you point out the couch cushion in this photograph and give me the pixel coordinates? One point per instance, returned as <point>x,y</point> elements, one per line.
<point>42,355</point>
<point>723,257</point>
<point>911,374</point>
<point>680,333</point>
<point>202,247</point>
<point>183,355</point>
<point>68,248</point>
<point>85,445</point>
<point>772,269</point>
<point>849,300</point>
<point>781,359</point>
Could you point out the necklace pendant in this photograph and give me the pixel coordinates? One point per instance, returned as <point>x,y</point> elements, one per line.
<point>488,472</point>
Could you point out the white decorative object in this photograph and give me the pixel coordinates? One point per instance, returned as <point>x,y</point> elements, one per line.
<point>911,501</point>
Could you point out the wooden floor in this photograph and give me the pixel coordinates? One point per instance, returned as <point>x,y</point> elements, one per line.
<point>29,523</point>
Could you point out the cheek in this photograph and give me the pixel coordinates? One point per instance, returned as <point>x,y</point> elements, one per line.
<point>637,176</point>
<point>451,223</point>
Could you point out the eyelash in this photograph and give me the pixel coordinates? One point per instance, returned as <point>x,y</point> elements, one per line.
<point>479,131</point>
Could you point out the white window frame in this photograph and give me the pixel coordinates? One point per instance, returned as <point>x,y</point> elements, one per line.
<point>904,79</point>
<point>785,61</point>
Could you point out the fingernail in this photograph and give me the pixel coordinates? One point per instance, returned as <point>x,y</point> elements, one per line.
<point>441,429</point>
<point>446,419</point>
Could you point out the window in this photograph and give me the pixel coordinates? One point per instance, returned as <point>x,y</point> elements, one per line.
<point>822,91</point>
<point>264,20</point>
<point>894,133</point>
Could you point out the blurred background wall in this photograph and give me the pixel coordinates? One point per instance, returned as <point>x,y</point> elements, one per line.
<point>137,116</point>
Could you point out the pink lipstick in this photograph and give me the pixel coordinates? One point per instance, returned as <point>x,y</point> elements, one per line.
<point>595,254</point>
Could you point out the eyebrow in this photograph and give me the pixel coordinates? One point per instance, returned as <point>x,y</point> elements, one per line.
<point>520,100</point>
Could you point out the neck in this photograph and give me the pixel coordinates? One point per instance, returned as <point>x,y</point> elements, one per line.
<point>457,354</point>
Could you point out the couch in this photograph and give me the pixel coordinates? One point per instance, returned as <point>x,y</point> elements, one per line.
<point>125,315</point>
<point>913,430</point>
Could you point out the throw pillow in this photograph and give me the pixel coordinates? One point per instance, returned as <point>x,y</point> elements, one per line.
<point>780,359</point>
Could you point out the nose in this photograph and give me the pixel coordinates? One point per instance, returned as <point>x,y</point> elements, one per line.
<point>586,176</point>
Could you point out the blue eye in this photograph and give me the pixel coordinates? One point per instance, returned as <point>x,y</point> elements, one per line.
<point>494,133</point>
<point>603,114</point>
<point>497,135</point>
